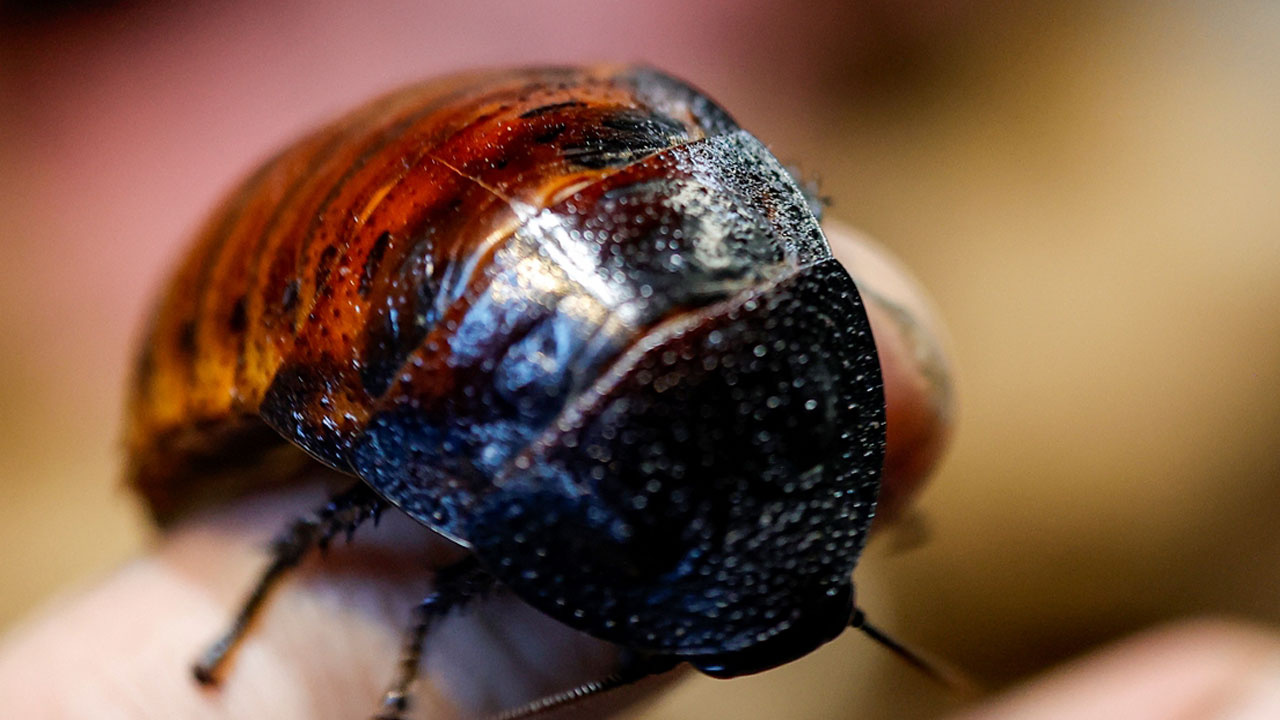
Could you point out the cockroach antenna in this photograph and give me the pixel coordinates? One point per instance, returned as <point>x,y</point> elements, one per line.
<point>946,676</point>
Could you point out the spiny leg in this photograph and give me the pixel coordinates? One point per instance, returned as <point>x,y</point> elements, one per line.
<point>634,667</point>
<point>455,586</point>
<point>343,513</point>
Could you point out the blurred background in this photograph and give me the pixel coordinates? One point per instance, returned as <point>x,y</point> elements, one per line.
<point>1089,190</point>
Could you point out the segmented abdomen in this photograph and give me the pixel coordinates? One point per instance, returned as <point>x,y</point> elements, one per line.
<point>332,266</point>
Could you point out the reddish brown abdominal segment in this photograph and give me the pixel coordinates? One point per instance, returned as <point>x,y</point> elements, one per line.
<point>311,275</point>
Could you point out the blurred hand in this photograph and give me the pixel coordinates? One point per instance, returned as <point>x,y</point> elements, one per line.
<point>329,640</point>
<point>1204,670</point>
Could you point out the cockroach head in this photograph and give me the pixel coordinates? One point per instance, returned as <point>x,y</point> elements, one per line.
<point>711,492</point>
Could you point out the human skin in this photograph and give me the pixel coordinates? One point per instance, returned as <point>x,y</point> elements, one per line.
<point>1192,670</point>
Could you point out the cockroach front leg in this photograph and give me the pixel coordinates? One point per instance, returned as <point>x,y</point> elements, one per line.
<point>343,514</point>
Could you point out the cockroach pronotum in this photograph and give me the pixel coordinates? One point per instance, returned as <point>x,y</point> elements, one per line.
<point>575,320</point>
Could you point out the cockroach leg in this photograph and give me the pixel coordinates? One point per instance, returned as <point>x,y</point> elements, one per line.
<point>455,586</point>
<point>342,514</point>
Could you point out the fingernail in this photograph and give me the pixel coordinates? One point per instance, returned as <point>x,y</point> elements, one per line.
<point>927,359</point>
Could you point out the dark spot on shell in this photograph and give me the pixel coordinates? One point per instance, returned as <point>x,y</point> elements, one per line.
<point>187,338</point>
<point>371,263</point>
<point>239,319</point>
<point>324,265</point>
<point>550,133</point>
<point>543,110</point>
<point>289,298</point>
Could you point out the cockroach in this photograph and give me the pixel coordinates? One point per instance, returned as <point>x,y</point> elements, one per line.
<point>576,321</point>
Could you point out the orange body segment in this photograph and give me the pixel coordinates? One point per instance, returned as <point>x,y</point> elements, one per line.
<point>327,261</point>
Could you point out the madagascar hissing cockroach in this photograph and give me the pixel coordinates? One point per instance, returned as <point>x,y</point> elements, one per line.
<point>575,320</point>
